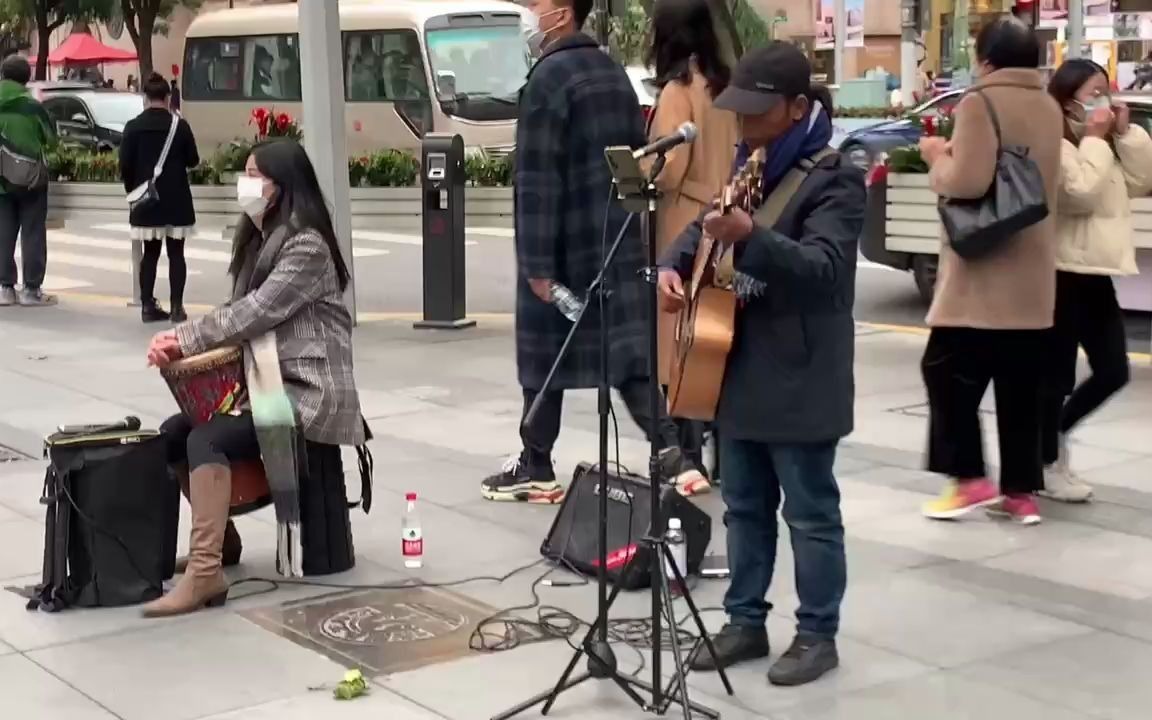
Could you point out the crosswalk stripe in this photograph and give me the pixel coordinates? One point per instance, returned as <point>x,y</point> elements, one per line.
<point>93,262</point>
<point>190,250</point>
<point>398,238</point>
<point>59,282</point>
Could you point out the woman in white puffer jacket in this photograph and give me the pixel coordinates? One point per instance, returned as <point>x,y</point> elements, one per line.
<point>1105,161</point>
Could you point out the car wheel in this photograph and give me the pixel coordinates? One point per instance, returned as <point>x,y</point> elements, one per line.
<point>858,155</point>
<point>924,269</point>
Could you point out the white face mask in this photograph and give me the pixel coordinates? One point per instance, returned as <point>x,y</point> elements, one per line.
<point>533,35</point>
<point>250,195</point>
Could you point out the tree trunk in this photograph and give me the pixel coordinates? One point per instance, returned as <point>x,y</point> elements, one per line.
<point>146,24</point>
<point>43,41</point>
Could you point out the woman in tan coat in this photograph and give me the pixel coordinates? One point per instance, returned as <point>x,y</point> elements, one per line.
<point>991,317</point>
<point>690,73</point>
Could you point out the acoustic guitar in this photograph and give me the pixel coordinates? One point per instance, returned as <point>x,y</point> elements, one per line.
<point>706,325</point>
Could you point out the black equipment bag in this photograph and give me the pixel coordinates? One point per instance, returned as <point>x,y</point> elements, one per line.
<point>112,510</point>
<point>574,539</point>
<point>1015,200</point>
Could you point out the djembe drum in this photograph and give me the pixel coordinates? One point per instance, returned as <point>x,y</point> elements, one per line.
<point>211,383</point>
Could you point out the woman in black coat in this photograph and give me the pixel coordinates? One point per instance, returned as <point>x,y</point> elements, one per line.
<point>172,218</point>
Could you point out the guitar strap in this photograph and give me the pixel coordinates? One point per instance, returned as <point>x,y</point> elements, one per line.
<point>769,212</point>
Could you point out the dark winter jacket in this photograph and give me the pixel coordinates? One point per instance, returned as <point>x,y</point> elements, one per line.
<point>577,102</point>
<point>143,141</point>
<point>790,376</point>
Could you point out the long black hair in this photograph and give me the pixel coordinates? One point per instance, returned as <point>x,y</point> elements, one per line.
<point>683,32</point>
<point>1067,81</point>
<point>298,203</point>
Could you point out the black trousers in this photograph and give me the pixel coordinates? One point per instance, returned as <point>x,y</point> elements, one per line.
<point>221,441</point>
<point>177,270</point>
<point>24,215</point>
<point>1089,316</point>
<point>540,438</point>
<point>958,365</point>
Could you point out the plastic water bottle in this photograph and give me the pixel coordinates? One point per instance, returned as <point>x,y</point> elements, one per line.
<point>565,300</point>
<point>412,534</point>
<point>678,548</point>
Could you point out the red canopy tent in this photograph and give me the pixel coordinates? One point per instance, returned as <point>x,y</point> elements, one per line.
<point>83,49</point>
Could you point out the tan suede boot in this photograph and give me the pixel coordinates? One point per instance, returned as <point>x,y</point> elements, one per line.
<point>233,546</point>
<point>203,583</point>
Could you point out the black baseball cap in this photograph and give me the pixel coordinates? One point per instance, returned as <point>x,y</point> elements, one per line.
<point>764,76</point>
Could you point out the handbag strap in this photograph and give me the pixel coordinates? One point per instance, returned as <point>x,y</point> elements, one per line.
<point>167,147</point>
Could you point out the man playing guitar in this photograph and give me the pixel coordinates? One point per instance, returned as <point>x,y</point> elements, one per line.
<point>786,397</point>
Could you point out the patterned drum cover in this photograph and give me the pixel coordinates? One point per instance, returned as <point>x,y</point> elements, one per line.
<point>206,384</point>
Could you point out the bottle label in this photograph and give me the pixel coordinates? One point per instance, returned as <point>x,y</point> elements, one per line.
<point>413,542</point>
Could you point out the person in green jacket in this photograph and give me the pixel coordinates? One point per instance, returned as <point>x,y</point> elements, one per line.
<point>25,128</point>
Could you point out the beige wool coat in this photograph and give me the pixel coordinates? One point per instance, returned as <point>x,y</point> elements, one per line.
<point>1014,288</point>
<point>694,174</point>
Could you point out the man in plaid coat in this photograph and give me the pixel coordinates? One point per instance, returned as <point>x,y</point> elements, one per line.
<point>577,101</point>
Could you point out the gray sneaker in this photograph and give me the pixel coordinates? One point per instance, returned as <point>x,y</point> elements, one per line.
<point>8,296</point>
<point>808,659</point>
<point>35,297</point>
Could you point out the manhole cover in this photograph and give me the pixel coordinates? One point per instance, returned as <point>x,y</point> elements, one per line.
<point>9,455</point>
<point>380,631</point>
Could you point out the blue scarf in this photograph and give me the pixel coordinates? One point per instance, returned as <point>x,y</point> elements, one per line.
<point>803,140</point>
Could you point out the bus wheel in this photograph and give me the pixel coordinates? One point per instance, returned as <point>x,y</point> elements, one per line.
<point>924,273</point>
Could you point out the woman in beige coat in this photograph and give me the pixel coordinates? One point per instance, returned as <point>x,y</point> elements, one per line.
<point>690,73</point>
<point>991,317</point>
<point>1104,160</point>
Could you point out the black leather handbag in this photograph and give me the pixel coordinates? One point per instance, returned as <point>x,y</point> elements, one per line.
<point>1015,200</point>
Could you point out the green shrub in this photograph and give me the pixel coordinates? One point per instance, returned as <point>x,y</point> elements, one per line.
<point>483,170</point>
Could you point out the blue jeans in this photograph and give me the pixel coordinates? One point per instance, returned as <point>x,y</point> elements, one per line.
<point>754,476</point>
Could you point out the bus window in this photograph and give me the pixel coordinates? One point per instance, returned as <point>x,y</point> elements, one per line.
<point>213,69</point>
<point>386,66</point>
<point>490,64</point>
<point>272,67</point>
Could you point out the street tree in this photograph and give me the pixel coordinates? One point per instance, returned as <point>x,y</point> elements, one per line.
<point>50,15</point>
<point>146,18</point>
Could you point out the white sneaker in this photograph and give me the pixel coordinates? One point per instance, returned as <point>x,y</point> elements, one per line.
<point>1061,484</point>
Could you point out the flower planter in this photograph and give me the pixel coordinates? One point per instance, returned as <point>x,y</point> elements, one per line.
<point>372,208</point>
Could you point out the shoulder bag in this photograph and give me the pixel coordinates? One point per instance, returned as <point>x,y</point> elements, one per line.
<point>22,171</point>
<point>145,195</point>
<point>1015,200</point>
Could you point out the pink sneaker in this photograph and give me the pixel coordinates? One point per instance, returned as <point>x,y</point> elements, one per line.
<point>1020,508</point>
<point>960,498</point>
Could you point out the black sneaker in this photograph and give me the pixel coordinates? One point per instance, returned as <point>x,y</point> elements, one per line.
<point>808,659</point>
<point>518,481</point>
<point>177,314</point>
<point>150,312</point>
<point>734,644</point>
<point>683,473</point>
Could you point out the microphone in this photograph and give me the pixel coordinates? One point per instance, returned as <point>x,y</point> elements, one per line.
<point>130,423</point>
<point>686,133</point>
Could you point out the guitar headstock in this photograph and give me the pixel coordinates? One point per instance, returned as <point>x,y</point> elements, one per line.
<point>746,186</point>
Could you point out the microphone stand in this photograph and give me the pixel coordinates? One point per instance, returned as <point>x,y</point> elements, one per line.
<point>638,195</point>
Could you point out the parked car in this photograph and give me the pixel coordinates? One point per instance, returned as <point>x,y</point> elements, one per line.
<point>915,245</point>
<point>91,118</point>
<point>864,147</point>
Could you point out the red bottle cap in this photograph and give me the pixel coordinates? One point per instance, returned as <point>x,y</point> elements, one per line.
<point>410,497</point>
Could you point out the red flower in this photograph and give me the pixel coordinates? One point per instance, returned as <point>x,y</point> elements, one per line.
<point>283,121</point>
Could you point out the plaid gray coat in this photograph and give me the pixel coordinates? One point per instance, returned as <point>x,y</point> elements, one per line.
<point>289,284</point>
<point>577,101</point>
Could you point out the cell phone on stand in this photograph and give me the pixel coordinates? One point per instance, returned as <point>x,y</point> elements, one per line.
<point>714,567</point>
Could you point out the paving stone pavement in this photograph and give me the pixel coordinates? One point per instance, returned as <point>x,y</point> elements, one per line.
<point>958,621</point>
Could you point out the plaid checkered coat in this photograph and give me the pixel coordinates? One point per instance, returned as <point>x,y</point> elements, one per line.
<point>577,101</point>
<point>289,284</point>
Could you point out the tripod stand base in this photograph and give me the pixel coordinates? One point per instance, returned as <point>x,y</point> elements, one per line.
<point>601,659</point>
<point>695,708</point>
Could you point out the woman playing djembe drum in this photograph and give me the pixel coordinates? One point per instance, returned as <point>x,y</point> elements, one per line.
<point>288,316</point>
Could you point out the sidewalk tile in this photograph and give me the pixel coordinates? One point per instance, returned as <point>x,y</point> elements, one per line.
<point>379,704</point>
<point>1103,561</point>
<point>28,691</point>
<point>861,666</point>
<point>942,626</point>
<point>6,649</point>
<point>939,696</point>
<point>21,485</point>
<point>484,685</point>
<point>215,662</point>
<point>7,514</point>
<point>1103,675</point>
<point>23,543</point>
<point>1133,474</point>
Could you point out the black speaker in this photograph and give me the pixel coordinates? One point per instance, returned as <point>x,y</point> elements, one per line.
<point>574,536</point>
